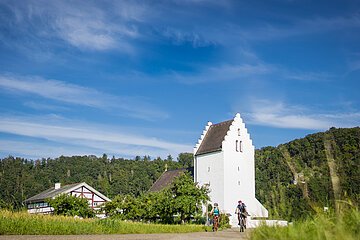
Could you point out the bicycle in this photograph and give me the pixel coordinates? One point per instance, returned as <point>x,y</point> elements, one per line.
<point>242,222</point>
<point>215,223</point>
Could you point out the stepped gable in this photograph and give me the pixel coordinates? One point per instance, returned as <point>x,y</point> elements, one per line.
<point>167,178</point>
<point>214,137</point>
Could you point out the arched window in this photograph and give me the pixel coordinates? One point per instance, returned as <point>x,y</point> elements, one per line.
<point>240,146</point>
<point>238,131</point>
<point>237,145</point>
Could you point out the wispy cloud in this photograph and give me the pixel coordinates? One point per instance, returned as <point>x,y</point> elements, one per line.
<point>298,27</point>
<point>74,94</point>
<point>92,31</point>
<point>225,72</point>
<point>280,115</point>
<point>81,137</point>
<point>246,72</point>
<point>44,106</point>
<point>180,37</point>
<point>85,25</point>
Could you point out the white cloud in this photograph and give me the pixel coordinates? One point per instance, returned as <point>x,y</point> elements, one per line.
<point>83,24</point>
<point>83,138</point>
<point>83,96</point>
<point>278,114</point>
<point>92,32</point>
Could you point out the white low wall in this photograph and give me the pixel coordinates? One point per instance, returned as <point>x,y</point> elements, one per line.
<point>256,223</point>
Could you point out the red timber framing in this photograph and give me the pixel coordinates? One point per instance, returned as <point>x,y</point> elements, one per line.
<point>84,191</point>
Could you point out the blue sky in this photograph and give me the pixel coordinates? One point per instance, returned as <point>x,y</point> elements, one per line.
<point>130,78</point>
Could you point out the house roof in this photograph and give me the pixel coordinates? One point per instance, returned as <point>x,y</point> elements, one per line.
<point>167,178</point>
<point>214,137</point>
<point>52,192</point>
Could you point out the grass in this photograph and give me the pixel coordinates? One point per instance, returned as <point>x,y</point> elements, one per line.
<point>22,223</point>
<point>345,226</point>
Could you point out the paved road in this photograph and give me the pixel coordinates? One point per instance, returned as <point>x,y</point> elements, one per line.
<point>227,234</point>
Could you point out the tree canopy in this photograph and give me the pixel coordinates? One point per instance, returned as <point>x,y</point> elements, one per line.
<point>183,198</point>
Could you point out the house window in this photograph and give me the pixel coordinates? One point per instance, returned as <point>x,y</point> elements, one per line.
<point>238,131</point>
<point>237,145</point>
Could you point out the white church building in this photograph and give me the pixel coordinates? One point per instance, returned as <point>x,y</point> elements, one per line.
<point>224,159</point>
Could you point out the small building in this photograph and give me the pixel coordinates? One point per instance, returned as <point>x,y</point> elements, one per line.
<point>224,160</point>
<point>168,177</point>
<point>38,204</point>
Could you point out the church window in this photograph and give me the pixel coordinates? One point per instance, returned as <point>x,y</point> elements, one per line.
<point>239,183</point>
<point>240,146</point>
<point>238,131</point>
<point>238,169</point>
<point>208,169</point>
<point>237,145</point>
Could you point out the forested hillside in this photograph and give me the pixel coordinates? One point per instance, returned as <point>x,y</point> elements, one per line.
<point>305,175</point>
<point>21,178</point>
<point>293,180</point>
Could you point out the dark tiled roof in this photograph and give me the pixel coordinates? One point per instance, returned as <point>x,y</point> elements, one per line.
<point>213,139</point>
<point>52,192</point>
<point>167,178</point>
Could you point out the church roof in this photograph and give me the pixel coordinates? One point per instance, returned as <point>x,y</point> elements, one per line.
<point>167,178</point>
<point>214,137</point>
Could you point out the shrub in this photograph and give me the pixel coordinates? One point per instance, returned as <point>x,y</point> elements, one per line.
<point>68,205</point>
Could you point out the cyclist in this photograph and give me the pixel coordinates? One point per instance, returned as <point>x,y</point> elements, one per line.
<point>241,210</point>
<point>215,212</point>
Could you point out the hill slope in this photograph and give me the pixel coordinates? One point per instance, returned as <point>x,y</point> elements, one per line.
<point>299,177</point>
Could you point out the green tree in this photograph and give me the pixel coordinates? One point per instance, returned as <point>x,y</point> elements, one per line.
<point>186,159</point>
<point>68,205</point>
<point>187,196</point>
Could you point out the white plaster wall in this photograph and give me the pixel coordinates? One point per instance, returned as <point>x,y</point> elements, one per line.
<point>97,198</point>
<point>41,210</point>
<point>239,174</point>
<point>210,169</point>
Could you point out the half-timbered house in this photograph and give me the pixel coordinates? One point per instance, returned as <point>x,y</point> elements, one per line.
<point>39,204</point>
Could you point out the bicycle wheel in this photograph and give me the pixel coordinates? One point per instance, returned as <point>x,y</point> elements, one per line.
<point>242,225</point>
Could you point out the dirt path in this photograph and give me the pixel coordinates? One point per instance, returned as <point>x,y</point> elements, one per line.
<point>227,234</point>
<point>335,180</point>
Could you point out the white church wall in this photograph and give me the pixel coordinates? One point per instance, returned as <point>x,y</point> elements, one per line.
<point>210,170</point>
<point>239,171</point>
